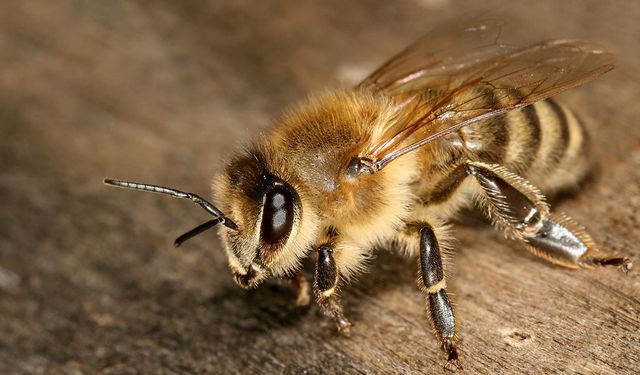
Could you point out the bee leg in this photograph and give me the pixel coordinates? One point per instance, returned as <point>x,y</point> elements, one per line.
<point>433,283</point>
<point>517,207</point>
<point>325,285</point>
<point>302,286</point>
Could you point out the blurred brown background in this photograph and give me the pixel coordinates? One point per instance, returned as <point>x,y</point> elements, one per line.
<point>163,91</point>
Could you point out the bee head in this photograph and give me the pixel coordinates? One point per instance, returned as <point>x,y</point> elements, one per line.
<point>263,231</point>
<point>272,234</point>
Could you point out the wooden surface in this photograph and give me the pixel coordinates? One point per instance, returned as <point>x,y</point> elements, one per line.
<point>163,91</point>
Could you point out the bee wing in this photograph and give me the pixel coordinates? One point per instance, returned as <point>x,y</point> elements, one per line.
<point>465,88</point>
<point>442,52</point>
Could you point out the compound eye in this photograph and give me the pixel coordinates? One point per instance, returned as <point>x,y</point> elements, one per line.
<point>277,215</point>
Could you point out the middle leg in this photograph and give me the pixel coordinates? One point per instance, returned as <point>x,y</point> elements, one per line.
<point>433,284</point>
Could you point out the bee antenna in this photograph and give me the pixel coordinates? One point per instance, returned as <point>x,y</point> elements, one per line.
<point>210,208</point>
<point>196,231</point>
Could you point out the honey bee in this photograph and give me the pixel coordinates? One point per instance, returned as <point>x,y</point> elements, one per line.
<point>457,119</point>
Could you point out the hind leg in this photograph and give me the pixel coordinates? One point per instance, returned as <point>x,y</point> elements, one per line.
<point>519,209</point>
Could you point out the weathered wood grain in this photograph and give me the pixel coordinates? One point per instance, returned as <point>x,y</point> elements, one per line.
<point>164,91</point>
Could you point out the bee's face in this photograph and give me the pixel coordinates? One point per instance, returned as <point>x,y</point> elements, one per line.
<point>269,214</point>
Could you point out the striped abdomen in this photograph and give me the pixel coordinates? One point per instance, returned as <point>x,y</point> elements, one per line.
<point>544,142</point>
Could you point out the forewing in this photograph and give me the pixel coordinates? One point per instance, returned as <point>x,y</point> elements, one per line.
<point>507,79</point>
<point>442,52</point>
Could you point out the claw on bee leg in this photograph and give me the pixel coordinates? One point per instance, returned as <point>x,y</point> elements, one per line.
<point>624,263</point>
<point>334,310</point>
<point>452,363</point>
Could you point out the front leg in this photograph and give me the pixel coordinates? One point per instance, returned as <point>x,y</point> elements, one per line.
<point>325,284</point>
<point>434,285</point>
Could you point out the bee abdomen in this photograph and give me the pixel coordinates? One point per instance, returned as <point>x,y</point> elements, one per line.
<point>544,142</point>
<point>560,159</point>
